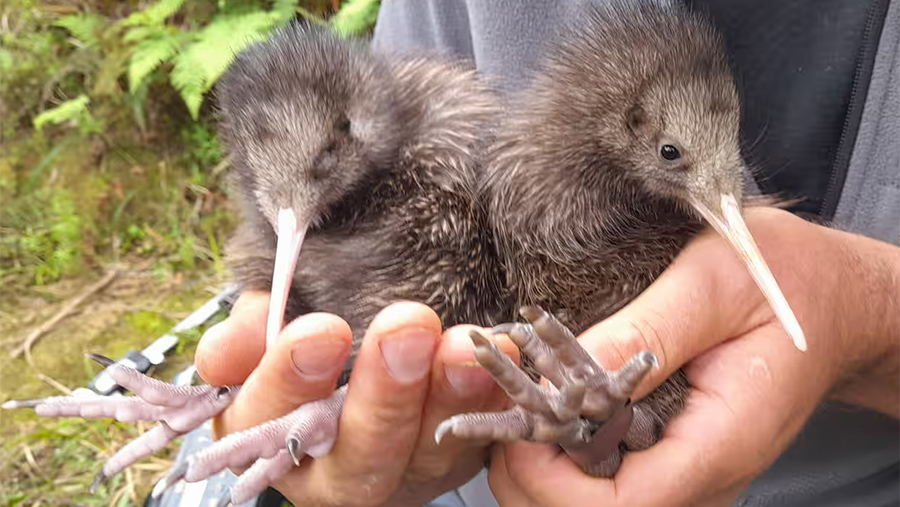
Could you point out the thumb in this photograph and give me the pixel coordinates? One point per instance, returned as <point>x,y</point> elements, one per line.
<point>705,297</point>
<point>231,349</point>
<point>302,366</point>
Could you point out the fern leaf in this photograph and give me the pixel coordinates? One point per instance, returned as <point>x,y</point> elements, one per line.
<point>148,55</point>
<point>355,17</point>
<point>188,81</point>
<point>84,27</point>
<point>199,65</point>
<point>68,110</point>
<point>139,33</point>
<point>156,14</point>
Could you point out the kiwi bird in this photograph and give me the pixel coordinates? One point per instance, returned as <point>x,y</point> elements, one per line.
<point>621,149</point>
<point>356,180</point>
<point>356,171</point>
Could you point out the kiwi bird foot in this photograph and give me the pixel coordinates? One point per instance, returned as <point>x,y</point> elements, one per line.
<point>178,409</point>
<point>270,448</point>
<point>585,409</point>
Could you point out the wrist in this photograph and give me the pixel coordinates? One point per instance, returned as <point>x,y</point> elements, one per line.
<point>869,327</point>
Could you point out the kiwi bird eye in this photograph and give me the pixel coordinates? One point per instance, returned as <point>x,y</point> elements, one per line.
<point>669,152</point>
<point>343,125</point>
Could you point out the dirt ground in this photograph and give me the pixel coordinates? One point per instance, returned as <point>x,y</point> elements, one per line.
<point>52,461</point>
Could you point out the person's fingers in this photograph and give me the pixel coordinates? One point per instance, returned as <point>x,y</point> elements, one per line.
<point>709,452</point>
<point>710,449</point>
<point>382,414</point>
<point>673,317</point>
<point>231,349</point>
<point>303,365</point>
<point>505,485</point>
<point>458,385</point>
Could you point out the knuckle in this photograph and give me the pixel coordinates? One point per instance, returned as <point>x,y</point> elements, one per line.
<point>368,492</point>
<point>647,331</point>
<point>652,332</point>
<point>392,417</point>
<point>427,469</point>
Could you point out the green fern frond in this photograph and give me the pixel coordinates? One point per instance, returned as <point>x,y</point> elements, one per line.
<point>68,110</point>
<point>188,81</point>
<point>156,14</point>
<point>85,27</point>
<point>150,54</point>
<point>199,65</point>
<point>355,17</point>
<point>139,33</point>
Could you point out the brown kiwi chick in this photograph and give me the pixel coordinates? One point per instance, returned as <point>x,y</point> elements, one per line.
<point>356,175</point>
<point>622,147</point>
<point>378,158</point>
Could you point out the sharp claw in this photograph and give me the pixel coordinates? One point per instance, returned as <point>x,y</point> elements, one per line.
<point>12,404</point>
<point>177,409</point>
<point>105,361</point>
<point>259,476</point>
<point>531,313</point>
<point>585,392</point>
<point>479,339</point>
<point>442,429</point>
<point>293,444</point>
<point>623,383</point>
<point>175,475</point>
<point>505,426</point>
<point>650,358</point>
<point>98,479</point>
<point>504,328</point>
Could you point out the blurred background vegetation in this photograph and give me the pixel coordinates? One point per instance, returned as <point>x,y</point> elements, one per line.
<point>110,169</point>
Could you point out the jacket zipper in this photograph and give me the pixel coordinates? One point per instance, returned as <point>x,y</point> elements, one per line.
<point>841,164</point>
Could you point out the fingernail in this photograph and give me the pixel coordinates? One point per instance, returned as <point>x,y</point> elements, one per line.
<point>317,357</point>
<point>465,379</point>
<point>408,355</point>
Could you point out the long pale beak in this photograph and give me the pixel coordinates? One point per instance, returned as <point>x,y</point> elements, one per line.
<point>290,237</point>
<point>728,222</point>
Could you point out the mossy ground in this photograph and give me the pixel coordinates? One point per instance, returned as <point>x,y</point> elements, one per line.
<point>69,212</point>
<point>53,461</point>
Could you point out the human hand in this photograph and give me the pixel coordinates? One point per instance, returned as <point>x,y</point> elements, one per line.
<point>752,389</point>
<point>385,452</point>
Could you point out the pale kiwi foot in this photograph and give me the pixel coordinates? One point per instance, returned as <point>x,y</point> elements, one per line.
<point>178,409</point>
<point>586,410</point>
<point>269,449</point>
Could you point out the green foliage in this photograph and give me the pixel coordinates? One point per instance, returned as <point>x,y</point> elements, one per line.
<point>49,242</point>
<point>355,17</point>
<point>198,53</point>
<point>205,150</point>
<point>28,61</point>
<point>85,27</point>
<point>67,111</point>
<point>156,14</point>
<point>74,111</point>
<point>152,48</point>
<point>186,44</point>
<point>195,54</point>
<point>108,79</point>
<point>199,65</point>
